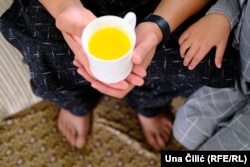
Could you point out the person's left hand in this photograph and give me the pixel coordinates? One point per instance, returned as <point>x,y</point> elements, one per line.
<point>147,40</point>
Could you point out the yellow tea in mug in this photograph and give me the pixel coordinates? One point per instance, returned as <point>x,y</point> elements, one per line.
<point>109,43</point>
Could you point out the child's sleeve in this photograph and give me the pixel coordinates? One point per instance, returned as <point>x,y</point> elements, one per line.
<point>230,8</point>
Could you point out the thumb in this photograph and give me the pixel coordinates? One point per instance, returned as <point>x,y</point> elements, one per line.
<point>137,57</point>
<point>141,51</point>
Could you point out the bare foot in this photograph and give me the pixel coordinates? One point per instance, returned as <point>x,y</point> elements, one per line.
<point>74,128</point>
<point>157,130</point>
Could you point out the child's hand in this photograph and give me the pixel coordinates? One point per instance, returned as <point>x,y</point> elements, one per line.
<point>211,30</point>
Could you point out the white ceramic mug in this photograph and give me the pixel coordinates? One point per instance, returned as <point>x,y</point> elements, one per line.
<point>115,70</point>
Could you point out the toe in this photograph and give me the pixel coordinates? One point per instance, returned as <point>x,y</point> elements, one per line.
<point>61,127</point>
<point>67,133</point>
<point>72,136</point>
<point>165,135</point>
<point>150,138</point>
<point>160,142</point>
<point>81,141</point>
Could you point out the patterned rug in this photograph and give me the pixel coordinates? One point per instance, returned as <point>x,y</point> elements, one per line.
<point>31,139</point>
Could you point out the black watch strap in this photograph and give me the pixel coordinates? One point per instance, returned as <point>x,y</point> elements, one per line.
<point>162,23</point>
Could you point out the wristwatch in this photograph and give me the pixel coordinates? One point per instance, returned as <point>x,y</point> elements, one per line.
<point>163,25</point>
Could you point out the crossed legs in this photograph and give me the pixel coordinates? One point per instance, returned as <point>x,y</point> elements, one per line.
<point>214,119</point>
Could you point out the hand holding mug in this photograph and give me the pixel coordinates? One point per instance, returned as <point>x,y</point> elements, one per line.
<point>108,42</point>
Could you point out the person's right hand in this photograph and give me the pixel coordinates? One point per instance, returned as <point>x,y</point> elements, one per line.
<point>71,21</point>
<point>211,30</point>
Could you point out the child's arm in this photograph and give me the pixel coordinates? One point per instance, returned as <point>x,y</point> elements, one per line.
<point>211,30</point>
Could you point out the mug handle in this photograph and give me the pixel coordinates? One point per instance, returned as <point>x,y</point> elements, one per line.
<point>130,18</point>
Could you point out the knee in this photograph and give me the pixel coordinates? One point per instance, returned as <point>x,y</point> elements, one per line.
<point>188,129</point>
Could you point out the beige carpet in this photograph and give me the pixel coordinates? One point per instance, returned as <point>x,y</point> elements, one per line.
<point>31,139</point>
